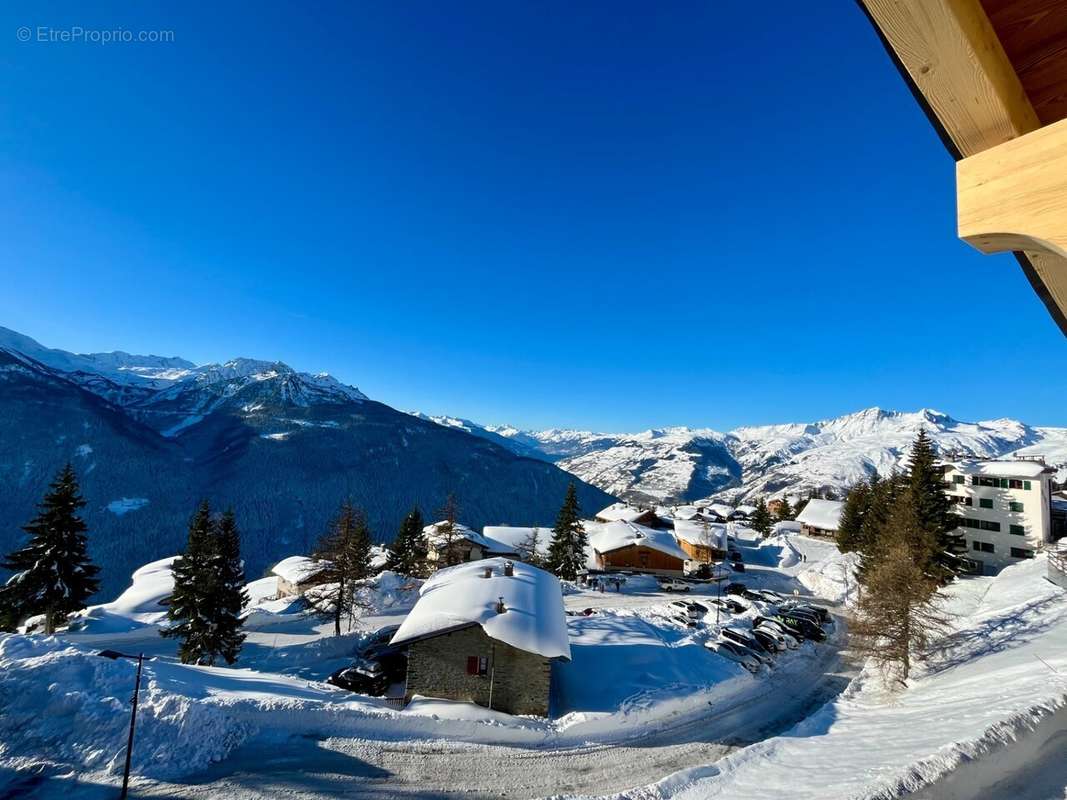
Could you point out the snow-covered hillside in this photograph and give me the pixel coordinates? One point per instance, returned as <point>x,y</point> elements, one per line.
<point>684,464</point>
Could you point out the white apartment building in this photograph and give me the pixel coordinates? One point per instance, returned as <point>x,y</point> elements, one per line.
<point>1004,508</point>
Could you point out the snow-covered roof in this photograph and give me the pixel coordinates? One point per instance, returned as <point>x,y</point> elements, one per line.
<point>297,569</point>
<point>746,510</point>
<point>621,512</point>
<point>692,531</point>
<point>617,535</point>
<point>459,531</point>
<point>822,514</point>
<point>686,512</point>
<point>534,619</point>
<point>721,509</point>
<point>1003,469</point>
<point>513,537</point>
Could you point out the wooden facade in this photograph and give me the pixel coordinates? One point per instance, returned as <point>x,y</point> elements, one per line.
<point>701,552</point>
<point>640,559</point>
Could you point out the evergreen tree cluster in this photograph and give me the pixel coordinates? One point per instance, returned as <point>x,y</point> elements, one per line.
<point>407,553</point>
<point>761,518</point>
<point>909,546</point>
<point>53,575</point>
<point>209,591</point>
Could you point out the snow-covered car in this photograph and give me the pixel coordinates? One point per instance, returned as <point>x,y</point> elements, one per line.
<point>770,638</point>
<point>734,588</point>
<point>691,610</point>
<point>673,585</point>
<point>731,605</point>
<point>746,639</point>
<point>768,596</point>
<point>781,625</point>
<point>810,630</point>
<point>735,652</point>
<point>820,611</point>
<point>684,620</point>
<point>364,677</point>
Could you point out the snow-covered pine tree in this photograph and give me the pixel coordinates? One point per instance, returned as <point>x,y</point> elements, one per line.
<point>345,554</point>
<point>761,518</point>
<point>926,487</point>
<point>194,605</point>
<point>566,552</point>
<point>407,553</point>
<point>232,595</point>
<point>53,573</point>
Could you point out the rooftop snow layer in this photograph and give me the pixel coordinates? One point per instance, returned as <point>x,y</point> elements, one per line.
<point>460,531</point>
<point>297,569</point>
<point>711,534</point>
<point>620,512</point>
<point>1004,469</point>
<point>722,509</point>
<point>617,535</point>
<point>824,514</point>
<point>534,619</point>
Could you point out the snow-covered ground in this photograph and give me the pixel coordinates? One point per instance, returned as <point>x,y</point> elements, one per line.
<point>641,704</point>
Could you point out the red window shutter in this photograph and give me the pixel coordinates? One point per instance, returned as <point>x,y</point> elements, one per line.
<point>472,665</point>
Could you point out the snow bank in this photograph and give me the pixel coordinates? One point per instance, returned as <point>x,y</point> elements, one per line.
<point>125,505</point>
<point>833,578</point>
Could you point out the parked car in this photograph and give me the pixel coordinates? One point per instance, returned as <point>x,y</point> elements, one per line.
<point>770,639</point>
<point>691,610</point>
<point>738,636</point>
<point>381,636</point>
<point>673,585</point>
<point>737,566</point>
<point>734,588</point>
<point>820,611</point>
<point>742,655</point>
<point>768,596</point>
<point>684,619</point>
<point>786,640</point>
<point>731,605</point>
<point>811,630</point>
<point>365,677</point>
<point>781,625</point>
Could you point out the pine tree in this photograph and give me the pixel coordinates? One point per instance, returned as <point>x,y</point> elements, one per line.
<point>850,526</point>
<point>761,518</point>
<point>344,552</point>
<point>898,613</point>
<point>785,510</point>
<point>407,553</point>
<point>566,551</point>
<point>232,596</point>
<point>802,503</point>
<point>194,604</point>
<point>933,509</point>
<point>53,573</point>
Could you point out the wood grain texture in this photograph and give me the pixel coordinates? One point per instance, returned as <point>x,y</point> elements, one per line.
<point>1034,36</point>
<point>953,56</point>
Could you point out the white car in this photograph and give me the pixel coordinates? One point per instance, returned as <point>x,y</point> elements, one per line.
<point>790,640</point>
<point>673,585</point>
<point>691,610</point>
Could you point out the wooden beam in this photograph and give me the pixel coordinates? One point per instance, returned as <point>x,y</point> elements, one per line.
<point>956,62</point>
<point>1013,197</point>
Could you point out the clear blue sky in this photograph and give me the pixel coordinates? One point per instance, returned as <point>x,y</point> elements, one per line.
<point>598,215</point>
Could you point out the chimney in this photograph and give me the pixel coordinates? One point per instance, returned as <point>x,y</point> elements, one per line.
<point>500,607</point>
<point>509,569</point>
<point>487,572</point>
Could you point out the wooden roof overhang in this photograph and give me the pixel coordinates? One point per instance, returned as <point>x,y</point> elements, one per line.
<point>991,76</point>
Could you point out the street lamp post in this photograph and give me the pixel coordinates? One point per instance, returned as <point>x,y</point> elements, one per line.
<point>112,654</point>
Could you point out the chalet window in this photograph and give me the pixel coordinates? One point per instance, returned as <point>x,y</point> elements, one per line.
<point>1017,530</point>
<point>985,502</point>
<point>982,547</point>
<point>478,665</point>
<point>957,479</point>
<point>1021,552</point>
<point>1015,483</point>
<point>1013,506</point>
<point>1026,485</point>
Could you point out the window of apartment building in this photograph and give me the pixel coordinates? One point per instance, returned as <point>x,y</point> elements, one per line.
<point>1013,506</point>
<point>1015,483</point>
<point>1021,552</point>
<point>961,500</point>
<point>982,547</point>
<point>1017,530</point>
<point>985,502</point>
<point>986,525</point>
<point>478,665</point>
<point>966,522</point>
<point>957,479</point>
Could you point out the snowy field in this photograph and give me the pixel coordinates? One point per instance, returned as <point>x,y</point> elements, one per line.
<point>642,710</point>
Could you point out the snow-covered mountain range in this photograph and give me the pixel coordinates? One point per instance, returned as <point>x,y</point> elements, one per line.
<point>686,464</point>
<point>151,436</point>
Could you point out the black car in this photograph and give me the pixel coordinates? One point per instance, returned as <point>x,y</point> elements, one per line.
<point>743,637</point>
<point>365,677</point>
<point>734,588</point>
<point>781,625</point>
<point>819,611</point>
<point>810,629</point>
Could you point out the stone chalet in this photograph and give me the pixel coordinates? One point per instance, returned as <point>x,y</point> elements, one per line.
<point>297,574</point>
<point>487,633</point>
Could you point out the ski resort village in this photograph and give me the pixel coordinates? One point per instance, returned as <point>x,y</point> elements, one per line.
<point>906,636</point>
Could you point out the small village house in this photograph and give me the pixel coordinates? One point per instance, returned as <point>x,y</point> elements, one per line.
<point>465,544</point>
<point>297,574</point>
<point>619,546</point>
<point>487,633</point>
<point>519,537</point>
<point>820,517</point>
<point>720,512</point>
<point>621,512</point>
<point>776,505</point>
<point>703,542</point>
